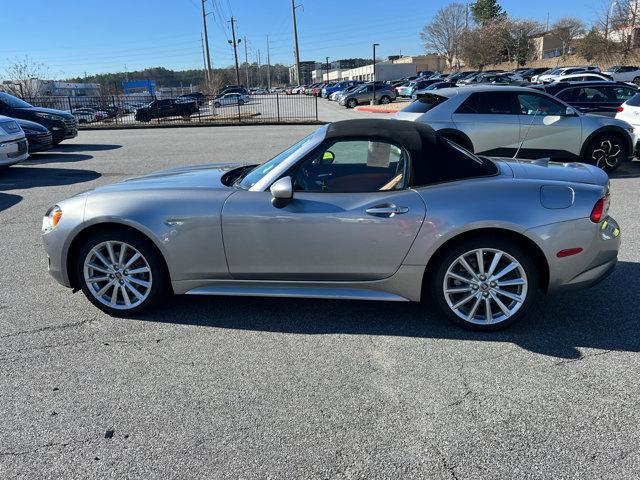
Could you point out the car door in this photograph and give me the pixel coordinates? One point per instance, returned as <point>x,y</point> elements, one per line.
<point>546,129</point>
<point>352,218</point>
<point>490,121</point>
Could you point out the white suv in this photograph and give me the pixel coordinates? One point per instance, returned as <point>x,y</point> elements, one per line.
<point>557,73</point>
<point>13,143</point>
<point>624,73</point>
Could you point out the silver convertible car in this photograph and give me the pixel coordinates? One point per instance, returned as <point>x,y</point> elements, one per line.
<point>360,209</point>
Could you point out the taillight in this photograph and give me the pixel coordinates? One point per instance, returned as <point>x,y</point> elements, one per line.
<point>600,210</point>
<point>620,108</point>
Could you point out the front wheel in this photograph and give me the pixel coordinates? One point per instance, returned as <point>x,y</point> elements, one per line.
<point>121,273</point>
<point>385,100</point>
<point>217,105</point>
<point>484,284</point>
<point>607,151</point>
<point>352,103</point>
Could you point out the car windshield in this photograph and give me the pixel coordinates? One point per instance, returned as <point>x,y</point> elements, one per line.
<point>13,102</point>
<point>254,176</point>
<point>553,71</point>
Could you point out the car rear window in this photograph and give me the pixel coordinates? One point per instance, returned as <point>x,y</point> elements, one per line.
<point>634,101</point>
<point>425,103</point>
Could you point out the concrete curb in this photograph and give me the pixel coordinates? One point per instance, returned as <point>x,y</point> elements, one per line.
<point>375,110</point>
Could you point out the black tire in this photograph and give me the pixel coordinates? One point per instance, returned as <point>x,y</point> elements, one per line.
<point>240,102</point>
<point>352,103</point>
<point>636,80</point>
<point>217,104</point>
<point>436,284</point>
<point>160,284</point>
<point>606,151</point>
<point>384,100</point>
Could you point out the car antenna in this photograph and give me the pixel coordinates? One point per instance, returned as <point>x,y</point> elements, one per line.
<point>526,134</point>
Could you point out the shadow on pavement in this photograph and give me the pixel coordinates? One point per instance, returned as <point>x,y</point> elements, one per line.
<point>603,317</point>
<point>21,177</point>
<point>42,158</point>
<point>8,200</point>
<point>627,170</point>
<point>81,147</point>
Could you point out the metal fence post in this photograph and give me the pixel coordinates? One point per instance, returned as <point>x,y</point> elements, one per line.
<point>278,106</point>
<point>316,109</point>
<point>70,107</point>
<point>115,108</point>
<point>239,115</point>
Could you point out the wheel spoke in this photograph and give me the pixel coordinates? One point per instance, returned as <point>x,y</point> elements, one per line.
<point>457,290</point>
<point>100,257</point>
<point>511,283</point>
<point>474,309</point>
<point>501,305</point>
<point>139,270</point>
<point>494,263</point>
<point>104,289</point>
<point>114,295</point>
<point>125,296</point>
<point>132,260</point>
<point>480,260</point>
<point>459,277</point>
<point>112,255</point>
<point>510,295</point>
<point>468,268</point>
<point>123,249</point>
<point>463,301</point>
<point>509,268</point>
<point>134,291</point>
<point>95,267</point>
<point>488,314</point>
<point>97,279</point>
<point>140,282</point>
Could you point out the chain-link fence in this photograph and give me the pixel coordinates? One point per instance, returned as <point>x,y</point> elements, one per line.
<point>146,110</point>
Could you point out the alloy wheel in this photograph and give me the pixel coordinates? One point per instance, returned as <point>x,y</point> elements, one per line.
<point>606,154</point>
<point>485,286</point>
<point>117,275</point>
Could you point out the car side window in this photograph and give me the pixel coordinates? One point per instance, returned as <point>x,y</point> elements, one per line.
<point>593,95</point>
<point>491,103</point>
<point>622,94</point>
<point>353,166</point>
<point>534,104</point>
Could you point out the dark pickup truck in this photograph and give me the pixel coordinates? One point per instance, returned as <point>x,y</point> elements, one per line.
<point>167,107</point>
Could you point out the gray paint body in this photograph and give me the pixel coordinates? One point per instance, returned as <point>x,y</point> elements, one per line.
<point>218,239</point>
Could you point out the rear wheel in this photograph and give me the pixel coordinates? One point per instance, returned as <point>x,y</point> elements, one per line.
<point>606,151</point>
<point>636,80</point>
<point>121,273</point>
<point>240,102</point>
<point>485,283</point>
<point>352,103</point>
<point>385,100</point>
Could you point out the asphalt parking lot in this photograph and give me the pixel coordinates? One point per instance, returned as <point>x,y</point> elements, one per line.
<point>279,388</point>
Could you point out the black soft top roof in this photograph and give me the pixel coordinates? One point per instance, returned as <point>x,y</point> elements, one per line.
<point>434,159</point>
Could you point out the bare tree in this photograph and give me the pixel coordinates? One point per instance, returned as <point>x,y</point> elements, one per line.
<point>485,45</point>
<point>22,77</point>
<point>444,35</point>
<point>625,20</point>
<point>568,29</point>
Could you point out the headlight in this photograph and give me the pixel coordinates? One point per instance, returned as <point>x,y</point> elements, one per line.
<point>49,116</point>
<point>51,219</point>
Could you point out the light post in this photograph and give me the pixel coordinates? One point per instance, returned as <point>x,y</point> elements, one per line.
<point>327,65</point>
<point>373,98</point>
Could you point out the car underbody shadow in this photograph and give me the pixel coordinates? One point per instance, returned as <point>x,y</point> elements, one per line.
<point>50,157</point>
<point>602,317</point>
<point>8,200</point>
<point>20,177</point>
<point>84,147</point>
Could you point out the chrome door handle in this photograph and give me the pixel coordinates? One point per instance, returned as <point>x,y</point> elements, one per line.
<point>386,210</point>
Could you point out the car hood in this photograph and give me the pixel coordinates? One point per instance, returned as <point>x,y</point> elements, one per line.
<point>543,169</point>
<point>28,124</point>
<point>190,177</point>
<point>46,110</point>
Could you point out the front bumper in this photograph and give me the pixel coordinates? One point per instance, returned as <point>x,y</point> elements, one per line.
<point>13,151</point>
<point>64,130</point>
<point>39,142</point>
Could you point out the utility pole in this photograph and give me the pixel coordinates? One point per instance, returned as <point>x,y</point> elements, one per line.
<point>295,36</point>
<point>259,67</point>
<point>268,65</point>
<point>235,48</point>
<point>206,41</point>
<point>246,61</point>
<point>373,98</point>
<point>204,58</point>
<point>327,65</point>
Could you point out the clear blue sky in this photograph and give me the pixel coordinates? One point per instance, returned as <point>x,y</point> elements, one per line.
<point>76,36</point>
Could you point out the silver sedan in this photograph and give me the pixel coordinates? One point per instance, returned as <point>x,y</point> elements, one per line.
<point>361,209</point>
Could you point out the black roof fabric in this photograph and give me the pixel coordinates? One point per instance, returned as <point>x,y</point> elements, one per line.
<point>434,160</point>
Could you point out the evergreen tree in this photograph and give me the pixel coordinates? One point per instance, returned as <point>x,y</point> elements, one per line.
<point>486,11</point>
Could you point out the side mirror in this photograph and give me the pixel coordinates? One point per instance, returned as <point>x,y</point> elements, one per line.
<point>282,192</point>
<point>570,112</point>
